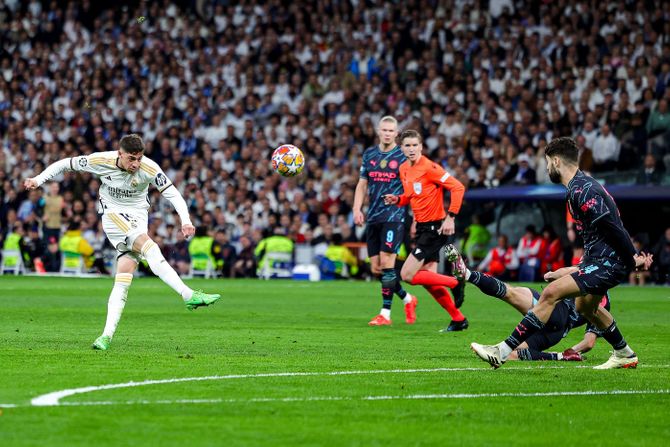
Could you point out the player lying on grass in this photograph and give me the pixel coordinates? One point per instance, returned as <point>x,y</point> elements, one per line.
<point>563,319</point>
<point>125,176</point>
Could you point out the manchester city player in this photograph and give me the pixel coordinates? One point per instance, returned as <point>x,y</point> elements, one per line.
<point>609,256</point>
<point>385,224</point>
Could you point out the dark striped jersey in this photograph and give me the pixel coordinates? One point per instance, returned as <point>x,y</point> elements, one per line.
<point>598,222</point>
<point>381,170</point>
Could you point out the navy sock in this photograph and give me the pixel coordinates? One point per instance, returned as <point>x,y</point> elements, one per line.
<point>614,337</point>
<point>488,284</point>
<point>389,282</point>
<point>532,354</point>
<point>528,326</point>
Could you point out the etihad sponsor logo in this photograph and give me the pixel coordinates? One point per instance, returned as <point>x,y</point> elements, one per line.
<point>383,175</point>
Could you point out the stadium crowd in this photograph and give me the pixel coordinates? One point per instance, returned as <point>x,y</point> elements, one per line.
<point>213,87</point>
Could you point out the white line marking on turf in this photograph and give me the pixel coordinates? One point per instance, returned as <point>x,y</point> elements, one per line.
<point>53,398</point>
<point>368,398</point>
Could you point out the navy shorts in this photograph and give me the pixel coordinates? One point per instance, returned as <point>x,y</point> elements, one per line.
<point>554,330</point>
<point>596,278</point>
<point>385,237</point>
<point>428,241</point>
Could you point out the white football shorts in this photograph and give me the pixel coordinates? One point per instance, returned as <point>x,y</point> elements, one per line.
<point>123,227</point>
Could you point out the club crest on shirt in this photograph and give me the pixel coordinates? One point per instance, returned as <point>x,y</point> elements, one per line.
<point>383,164</point>
<point>417,187</point>
<point>393,164</point>
<point>161,180</point>
<point>133,182</point>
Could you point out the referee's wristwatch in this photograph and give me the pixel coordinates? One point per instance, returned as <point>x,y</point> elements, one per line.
<point>452,215</point>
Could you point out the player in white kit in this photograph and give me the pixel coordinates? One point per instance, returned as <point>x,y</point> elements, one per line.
<point>125,176</point>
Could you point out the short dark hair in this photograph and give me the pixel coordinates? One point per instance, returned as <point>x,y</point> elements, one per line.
<point>564,148</point>
<point>410,133</point>
<point>132,143</point>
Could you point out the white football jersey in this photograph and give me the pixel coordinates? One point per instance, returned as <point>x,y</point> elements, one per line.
<point>120,190</point>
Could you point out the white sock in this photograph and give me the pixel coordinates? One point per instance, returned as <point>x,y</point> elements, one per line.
<point>559,355</point>
<point>505,350</point>
<point>467,274</point>
<point>407,299</point>
<point>116,303</point>
<point>386,313</point>
<point>160,267</point>
<point>626,351</point>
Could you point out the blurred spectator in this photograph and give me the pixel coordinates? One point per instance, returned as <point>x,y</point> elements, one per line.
<point>661,253</point>
<point>35,249</point>
<point>658,130</point>
<point>52,257</point>
<point>224,253</point>
<point>245,264</point>
<point>178,254</point>
<point>475,241</point>
<point>276,242</point>
<point>53,212</point>
<point>606,149</point>
<point>501,261</point>
<point>638,278</point>
<point>525,175</point>
<point>339,260</point>
<point>73,244</point>
<point>201,250</point>
<point>551,251</point>
<point>649,173</point>
<point>14,241</point>
<point>528,251</point>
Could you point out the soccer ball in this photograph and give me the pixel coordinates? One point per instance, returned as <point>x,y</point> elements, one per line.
<point>288,160</point>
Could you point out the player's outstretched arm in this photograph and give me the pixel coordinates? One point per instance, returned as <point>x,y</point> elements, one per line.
<point>552,276</point>
<point>50,172</point>
<point>172,194</point>
<point>587,343</point>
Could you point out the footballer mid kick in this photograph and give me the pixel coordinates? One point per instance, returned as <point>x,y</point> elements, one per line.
<point>125,176</point>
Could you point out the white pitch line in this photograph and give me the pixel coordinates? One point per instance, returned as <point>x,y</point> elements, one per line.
<point>53,398</point>
<point>370,398</point>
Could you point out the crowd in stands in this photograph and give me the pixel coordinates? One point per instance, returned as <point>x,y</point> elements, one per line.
<point>213,87</point>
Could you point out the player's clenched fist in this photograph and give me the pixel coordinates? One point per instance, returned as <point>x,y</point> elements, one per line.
<point>390,199</point>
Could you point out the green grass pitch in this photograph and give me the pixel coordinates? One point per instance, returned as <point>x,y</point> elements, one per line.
<point>402,385</point>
